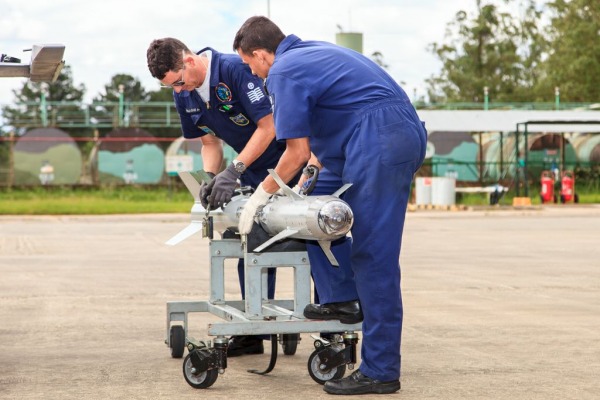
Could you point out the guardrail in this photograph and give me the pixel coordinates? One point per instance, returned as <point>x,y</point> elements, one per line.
<point>96,115</point>
<point>164,114</point>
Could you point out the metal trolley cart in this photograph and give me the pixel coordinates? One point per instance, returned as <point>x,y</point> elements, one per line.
<point>256,315</point>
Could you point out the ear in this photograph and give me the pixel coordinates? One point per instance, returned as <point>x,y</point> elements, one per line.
<point>259,54</point>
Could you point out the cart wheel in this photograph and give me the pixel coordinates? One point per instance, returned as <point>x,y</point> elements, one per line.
<point>198,380</point>
<point>289,343</point>
<point>177,341</point>
<point>321,376</point>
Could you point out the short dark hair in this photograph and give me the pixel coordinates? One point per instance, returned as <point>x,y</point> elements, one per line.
<point>165,55</point>
<point>258,33</point>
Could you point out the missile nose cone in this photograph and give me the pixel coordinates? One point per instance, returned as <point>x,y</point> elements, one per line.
<point>335,218</point>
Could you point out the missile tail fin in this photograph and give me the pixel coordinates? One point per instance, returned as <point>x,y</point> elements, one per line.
<point>281,235</point>
<point>341,190</point>
<point>202,176</point>
<point>194,227</point>
<point>285,188</point>
<point>192,181</point>
<point>326,246</point>
<point>191,184</point>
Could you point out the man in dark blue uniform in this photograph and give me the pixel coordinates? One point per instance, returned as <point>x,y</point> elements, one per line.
<point>335,107</point>
<point>219,99</point>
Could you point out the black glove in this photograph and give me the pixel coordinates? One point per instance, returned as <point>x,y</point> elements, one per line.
<point>223,187</point>
<point>205,189</point>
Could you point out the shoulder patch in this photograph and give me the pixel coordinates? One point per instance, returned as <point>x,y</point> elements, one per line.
<point>255,94</point>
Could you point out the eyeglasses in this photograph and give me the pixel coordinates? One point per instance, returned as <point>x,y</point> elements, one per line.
<point>180,82</point>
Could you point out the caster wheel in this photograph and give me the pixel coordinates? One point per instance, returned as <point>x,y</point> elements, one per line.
<point>177,341</point>
<point>198,380</point>
<point>290,343</point>
<point>315,361</point>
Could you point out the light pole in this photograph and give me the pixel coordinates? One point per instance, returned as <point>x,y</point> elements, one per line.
<point>485,98</point>
<point>121,101</point>
<point>43,108</point>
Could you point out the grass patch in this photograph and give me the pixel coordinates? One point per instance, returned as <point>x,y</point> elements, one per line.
<point>587,195</point>
<point>83,200</point>
<point>110,200</point>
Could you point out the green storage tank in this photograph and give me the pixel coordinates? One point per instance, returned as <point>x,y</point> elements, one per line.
<point>47,156</point>
<point>351,40</point>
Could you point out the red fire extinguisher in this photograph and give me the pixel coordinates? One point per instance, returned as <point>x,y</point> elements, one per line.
<point>567,187</point>
<point>547,184</point>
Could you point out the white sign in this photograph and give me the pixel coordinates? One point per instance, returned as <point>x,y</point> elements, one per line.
<point>175,164</point>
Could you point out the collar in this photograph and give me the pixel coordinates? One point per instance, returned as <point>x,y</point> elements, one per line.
<point>204,89</point>
<point>286,43</point>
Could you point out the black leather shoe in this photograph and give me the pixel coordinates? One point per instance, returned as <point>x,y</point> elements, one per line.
<point>357,383</point>
<point>240,345</point>
<point>348,312</point>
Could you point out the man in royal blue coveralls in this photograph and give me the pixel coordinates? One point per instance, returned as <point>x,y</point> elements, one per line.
<point>218,98</point>
<point>335,107</point>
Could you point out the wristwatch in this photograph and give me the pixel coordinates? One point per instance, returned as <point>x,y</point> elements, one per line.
<point>239,166</point>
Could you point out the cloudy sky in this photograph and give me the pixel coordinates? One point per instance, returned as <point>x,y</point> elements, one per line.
<point>108,37</point>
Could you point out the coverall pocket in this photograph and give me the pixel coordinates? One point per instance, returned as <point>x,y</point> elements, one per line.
<point>399,143</point>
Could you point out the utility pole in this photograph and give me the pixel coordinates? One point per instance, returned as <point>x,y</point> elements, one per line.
<point>11,159</point>
<point>486,98</point>
<point>43,107</point>
<point>121,104</point>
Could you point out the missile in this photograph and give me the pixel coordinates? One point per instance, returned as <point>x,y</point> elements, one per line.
<point>293,215</point>
<point>287,214</point>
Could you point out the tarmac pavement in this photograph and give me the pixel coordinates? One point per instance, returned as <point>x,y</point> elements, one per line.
<point>499,304</point>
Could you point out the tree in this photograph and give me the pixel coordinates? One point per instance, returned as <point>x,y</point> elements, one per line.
<point>162,94</point>
<point>573,64</point>
<point>163,99</point>
<point>132,89</point>
<point>136,105</point>
<point>26,111</point>
<point>489,49</point>
<point>377,57</point>
<point>113,104</point>
<point>533,48</point>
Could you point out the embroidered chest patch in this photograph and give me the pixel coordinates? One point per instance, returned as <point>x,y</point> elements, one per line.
<point>223,92</point>
<point>240,119</point>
